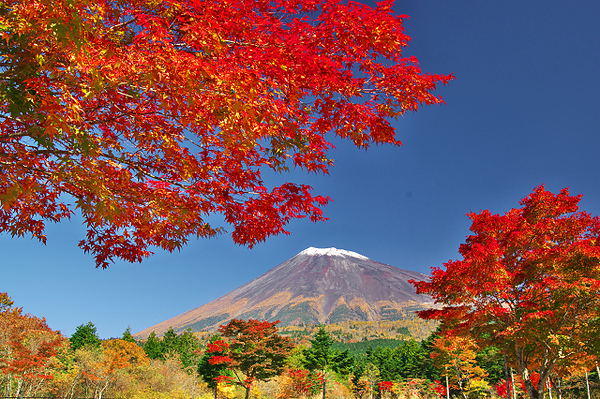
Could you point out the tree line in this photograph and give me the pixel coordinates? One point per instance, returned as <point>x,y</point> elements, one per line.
<point>250,359</point>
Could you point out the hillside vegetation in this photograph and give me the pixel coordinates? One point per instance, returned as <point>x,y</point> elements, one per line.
<point>358,331</point>
<point>411,327</point>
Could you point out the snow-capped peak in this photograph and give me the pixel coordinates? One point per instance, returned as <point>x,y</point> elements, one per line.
<point>312,251</point>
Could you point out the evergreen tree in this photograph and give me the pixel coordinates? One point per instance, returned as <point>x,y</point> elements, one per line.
<point>127,336</point>
<point>188,347</point>
<point>407,360</point>
<point>491,360</point>
<point>320,354</point>
<point>85,335</point>
<point>322,357</point>
<point>426,363</point>
<point>153,347</point>
<point>169,342</point>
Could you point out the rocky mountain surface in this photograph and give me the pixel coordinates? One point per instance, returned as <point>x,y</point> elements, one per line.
<point>318,285</point>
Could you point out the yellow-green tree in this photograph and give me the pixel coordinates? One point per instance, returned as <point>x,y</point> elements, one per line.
<point>100,367</point>
<point>456,356</point>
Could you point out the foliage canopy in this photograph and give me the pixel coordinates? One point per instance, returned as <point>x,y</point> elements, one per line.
<point>528,284</point>
<point>152,116</point>
<point>253,351</point>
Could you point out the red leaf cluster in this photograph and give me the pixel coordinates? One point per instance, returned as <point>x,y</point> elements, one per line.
<point>439,388</point>
<point>149,117</point>
<point>528,280</point>
<point>28,343</point>
<point>220,360</point>
<point>386,386</point>
<point>217,346</point>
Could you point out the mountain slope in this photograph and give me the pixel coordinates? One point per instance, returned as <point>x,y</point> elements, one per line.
<point>315,286</point>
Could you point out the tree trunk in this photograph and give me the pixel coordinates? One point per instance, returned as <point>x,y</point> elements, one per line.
<point>19,384</point>
<point>72,389</point>
<point>506,378</point>
<point>324,389</point>
<point>532,392</point>
<point>545,369</point>
<point>559,388</point>
<point>587,385</point>
<point>247,391</point>
<point>102,389</point>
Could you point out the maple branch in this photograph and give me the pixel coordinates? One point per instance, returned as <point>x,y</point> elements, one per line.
<point>10,136</point>
<point>248,44</point>
<point>122,24</point>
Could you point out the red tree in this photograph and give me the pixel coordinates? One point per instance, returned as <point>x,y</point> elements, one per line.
<point>154,115</point>
<point>528,283</point>
<point>213,366</point>
<point>27,346</point>
<point>255,351</point>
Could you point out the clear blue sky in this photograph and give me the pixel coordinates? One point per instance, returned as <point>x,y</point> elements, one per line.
<point>524,110</point>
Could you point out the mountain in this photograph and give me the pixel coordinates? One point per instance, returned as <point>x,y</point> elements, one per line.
<point>318,285</point>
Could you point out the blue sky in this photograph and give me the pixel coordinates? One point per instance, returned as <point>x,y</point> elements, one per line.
<point>524,110</point>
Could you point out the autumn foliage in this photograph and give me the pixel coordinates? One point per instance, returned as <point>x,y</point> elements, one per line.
<point>27,348</point>
<point>300,383</point>
<point>36,362</point>
<point>147,117</point>
<point>528,283</point>
<point>456,356</point>
<point>253,351</point>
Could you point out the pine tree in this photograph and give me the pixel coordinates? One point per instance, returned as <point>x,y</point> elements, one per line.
<point>188,346</point>
<point>169,342</point>
<point>322,357</point>
<point>152,347</point>
<point>85,335</point>
<point>127,336</point>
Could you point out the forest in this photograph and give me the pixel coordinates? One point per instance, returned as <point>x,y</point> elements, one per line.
<point>255,359</point>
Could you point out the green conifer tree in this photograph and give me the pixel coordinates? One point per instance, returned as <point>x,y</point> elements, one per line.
<point>322,357</point>
<point>85,335</point>
<point>127,336</point>
<point>169,342</point>
<point>188,347</point>
<point>152,347</point>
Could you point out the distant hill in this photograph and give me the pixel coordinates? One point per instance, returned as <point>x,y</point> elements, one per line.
<point>317,286</point>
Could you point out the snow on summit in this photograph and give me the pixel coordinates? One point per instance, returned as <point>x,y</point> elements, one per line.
<point>312,251</point>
